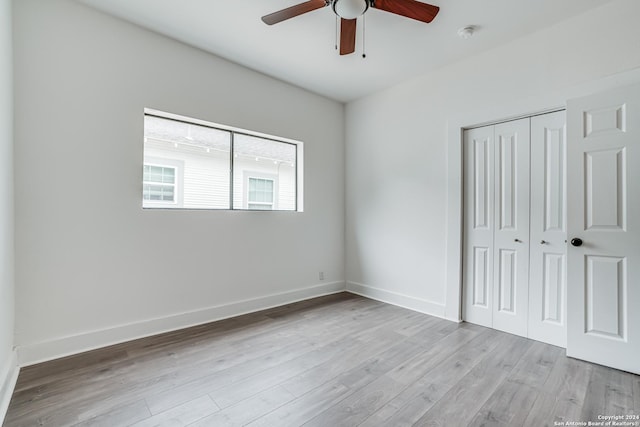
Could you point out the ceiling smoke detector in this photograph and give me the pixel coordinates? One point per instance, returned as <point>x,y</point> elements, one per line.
<point>466,32</point>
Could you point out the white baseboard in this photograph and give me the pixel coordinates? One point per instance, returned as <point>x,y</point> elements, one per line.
<point>8,378</point>
<point>31,354</point>
<point>401,300</point>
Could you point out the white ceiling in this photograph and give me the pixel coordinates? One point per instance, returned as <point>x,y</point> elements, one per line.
<point>302,51</point>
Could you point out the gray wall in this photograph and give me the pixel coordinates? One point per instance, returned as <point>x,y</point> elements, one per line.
<point>6,206</point>
<point>93,267</point>
<point>6,197</point>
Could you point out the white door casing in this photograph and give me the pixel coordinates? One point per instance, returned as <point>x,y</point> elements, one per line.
<point>478,226</point>
<point>548,232</point>
<point>604,211</point>
<point>511,237</point>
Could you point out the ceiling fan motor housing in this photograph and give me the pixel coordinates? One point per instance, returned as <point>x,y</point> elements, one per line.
<point>350,9</point>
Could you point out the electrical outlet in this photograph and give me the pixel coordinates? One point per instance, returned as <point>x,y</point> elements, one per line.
<point>321,275</point>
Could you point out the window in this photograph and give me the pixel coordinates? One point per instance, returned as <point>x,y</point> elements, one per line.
<point>260,196</point>
<point>193,164</point>
<point>159,184</point>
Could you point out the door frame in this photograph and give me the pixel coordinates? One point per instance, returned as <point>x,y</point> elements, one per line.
<point>541,104</point>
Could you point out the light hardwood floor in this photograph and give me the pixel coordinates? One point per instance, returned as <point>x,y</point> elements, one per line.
<point>340,360</point>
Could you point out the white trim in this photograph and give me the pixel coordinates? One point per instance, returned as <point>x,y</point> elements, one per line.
<point>8,378</point>
<point>64,346</point>
<point>456,125</point>
<point>400,300</point>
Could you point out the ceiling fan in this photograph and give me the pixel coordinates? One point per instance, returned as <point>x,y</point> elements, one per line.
<point>349,10</point>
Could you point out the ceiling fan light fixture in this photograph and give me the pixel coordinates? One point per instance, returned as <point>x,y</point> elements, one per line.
<point>350,9</point>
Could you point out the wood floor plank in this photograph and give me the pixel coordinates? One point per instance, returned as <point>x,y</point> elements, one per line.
<point>248,410</point>
<point>358,406</point>
<point>304,408</point>
<point>124,415</point>
<point>182,415</point>
<point>336,360</point>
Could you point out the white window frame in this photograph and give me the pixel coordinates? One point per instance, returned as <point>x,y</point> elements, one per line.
<point>248,176</point>
<point>177,166</point>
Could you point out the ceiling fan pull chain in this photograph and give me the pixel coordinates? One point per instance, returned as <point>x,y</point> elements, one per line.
<point>364,19</point>
<point>336,32</point>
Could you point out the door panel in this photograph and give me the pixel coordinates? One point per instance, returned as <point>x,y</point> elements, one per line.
<point>507,281</point>
<point>482,181</point>
<point>605,293</point>
<point>481,271</point>
<point>478,226</point>
<point>508,181</point>
<point>548,267</point>
<point>553,279</point>
<point>605,193</point>
<point>511,238</point>
<point>604,211</point>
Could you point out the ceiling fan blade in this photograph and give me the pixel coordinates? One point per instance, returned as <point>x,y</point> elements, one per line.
<point>347,36</point>
<point>410,8</point>
<point>293,11</point>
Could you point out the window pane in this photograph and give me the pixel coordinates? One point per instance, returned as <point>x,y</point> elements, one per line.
<point>259,207</point>
<point>193,157</point>
<point>168,174</point>
<point>274,163</point>
<point>158,193</point>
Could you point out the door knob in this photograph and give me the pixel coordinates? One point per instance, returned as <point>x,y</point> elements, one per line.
<point>517,240</point>
<point>543,242</point>
<point>576,241</point>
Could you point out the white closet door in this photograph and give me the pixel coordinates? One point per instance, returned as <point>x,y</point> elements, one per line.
<point>511,236</point>
<point>548,265</point>
<point>604,212</point>
<point>478,226</point>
